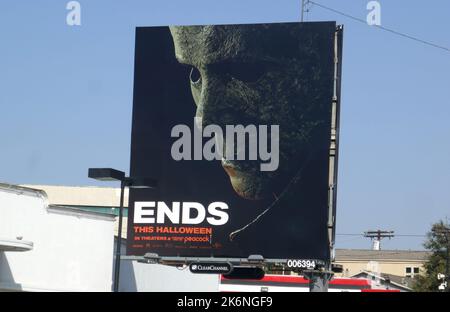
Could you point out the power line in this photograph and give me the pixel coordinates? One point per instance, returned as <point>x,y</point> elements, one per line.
<point>395,32</point>
<point>412,235</point>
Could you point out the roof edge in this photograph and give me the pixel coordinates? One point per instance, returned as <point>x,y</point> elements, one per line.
<point>81,213</point>
<point>22,190</point>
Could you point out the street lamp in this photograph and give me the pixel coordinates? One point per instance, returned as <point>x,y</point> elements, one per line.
<point>109,174</point>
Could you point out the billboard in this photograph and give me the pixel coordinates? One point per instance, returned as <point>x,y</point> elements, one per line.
<point>234,121</point>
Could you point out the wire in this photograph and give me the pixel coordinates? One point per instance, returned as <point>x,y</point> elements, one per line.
<point>395,235</point>
<point>412,235</point>
<point>344,240</point>
<point>382,27</point>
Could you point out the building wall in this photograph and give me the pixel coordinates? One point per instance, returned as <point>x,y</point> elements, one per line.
<point>134,276</point>
<point>142,277</point>
<point>82,195</point>
<point>394,267</point>
<point>87,198</point>
<point>72,250</point>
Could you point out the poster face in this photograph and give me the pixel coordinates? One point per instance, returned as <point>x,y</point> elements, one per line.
<point>234,122</point>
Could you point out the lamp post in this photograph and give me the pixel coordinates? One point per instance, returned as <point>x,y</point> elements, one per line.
<point>109,174</point>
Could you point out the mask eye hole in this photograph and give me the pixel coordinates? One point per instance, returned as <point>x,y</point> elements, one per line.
<point>195,76</point>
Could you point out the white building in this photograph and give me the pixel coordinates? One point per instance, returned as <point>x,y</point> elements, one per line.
<point>52,248</point>
<point>67,238</point>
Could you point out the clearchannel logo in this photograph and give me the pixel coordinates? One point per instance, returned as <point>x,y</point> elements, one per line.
<point>210,268</point>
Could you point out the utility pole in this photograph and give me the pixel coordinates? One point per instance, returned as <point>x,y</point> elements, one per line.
<point>305,9</point>
<point>377,236</point>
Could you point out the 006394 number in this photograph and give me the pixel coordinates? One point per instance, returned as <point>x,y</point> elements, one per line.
<point>301,264</point>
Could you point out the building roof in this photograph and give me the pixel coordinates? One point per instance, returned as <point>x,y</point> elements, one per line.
<point>5,187</point>
<point>374,255</point>
<point>82,195</point>
<point>81,212</point>
<point>97,200</point>
<point>33,191</point>
<point>386,279</point>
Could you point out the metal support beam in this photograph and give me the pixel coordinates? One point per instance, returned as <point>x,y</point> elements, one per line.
<point>303,11</point>
<point>119,239</point>
<point>318,280</point>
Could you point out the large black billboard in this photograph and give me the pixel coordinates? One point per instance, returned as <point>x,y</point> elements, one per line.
<point>234,121</point>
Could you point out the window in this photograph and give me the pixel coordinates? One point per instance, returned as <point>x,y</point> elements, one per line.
<point>411,271</point>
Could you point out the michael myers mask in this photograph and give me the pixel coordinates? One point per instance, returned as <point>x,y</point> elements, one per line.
<point>267,74</point>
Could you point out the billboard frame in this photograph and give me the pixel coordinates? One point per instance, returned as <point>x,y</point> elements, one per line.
<point>335,135</point>
<point>258,260</point>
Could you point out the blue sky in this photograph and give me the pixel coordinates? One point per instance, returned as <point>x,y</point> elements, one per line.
<point>66,99</point>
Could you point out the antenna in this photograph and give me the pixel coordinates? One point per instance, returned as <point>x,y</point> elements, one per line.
<point>377,236</point>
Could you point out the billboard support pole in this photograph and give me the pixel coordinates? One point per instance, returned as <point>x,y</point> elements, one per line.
<point>119,239</point>
<point>305,9</point>
<point>318,280</point>
<point>110,174</point>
